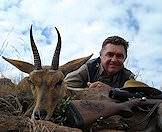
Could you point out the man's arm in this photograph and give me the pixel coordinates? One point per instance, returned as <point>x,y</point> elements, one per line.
<point>78,86</point>
<point>78,79</point>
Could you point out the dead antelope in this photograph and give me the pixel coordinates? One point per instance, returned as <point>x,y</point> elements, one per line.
<point>46,82</point>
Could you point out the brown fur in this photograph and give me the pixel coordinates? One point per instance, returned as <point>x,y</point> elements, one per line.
<point>46,82</point>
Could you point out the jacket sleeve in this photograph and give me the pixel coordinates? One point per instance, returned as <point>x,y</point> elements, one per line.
<point>78,78</point>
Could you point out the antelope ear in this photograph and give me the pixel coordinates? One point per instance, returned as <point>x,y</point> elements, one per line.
<point>74,64</point>
<point>21,65</point>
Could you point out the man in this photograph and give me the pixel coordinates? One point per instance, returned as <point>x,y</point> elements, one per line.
<point>106,71</point>
<point>99,76</point>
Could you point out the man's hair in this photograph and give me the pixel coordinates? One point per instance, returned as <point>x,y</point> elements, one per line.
<point>116,40</point>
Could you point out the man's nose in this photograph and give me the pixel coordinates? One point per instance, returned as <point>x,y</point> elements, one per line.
<point>114,58</point>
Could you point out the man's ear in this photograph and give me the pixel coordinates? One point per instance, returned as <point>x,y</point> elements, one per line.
<point>125,57</point>
<point>100,53</point>
<point>74,65</point>
<point>21,65</point>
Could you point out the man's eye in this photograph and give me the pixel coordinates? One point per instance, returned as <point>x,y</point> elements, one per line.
<point>109,54</point>
<point>120,56</point>
<point>30,82</point>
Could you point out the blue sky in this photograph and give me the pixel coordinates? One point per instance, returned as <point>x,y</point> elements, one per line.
<point>83,24</point>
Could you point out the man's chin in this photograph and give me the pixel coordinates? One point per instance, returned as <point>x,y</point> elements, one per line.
<point>112,71</point>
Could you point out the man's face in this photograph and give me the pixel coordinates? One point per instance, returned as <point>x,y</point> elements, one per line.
<point>112,58</point>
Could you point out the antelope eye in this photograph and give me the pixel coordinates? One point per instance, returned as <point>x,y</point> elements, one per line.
<point>30,82</point>
<point>59,83</point>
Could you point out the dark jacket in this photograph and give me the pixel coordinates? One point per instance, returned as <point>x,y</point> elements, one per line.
<point>116,80</point>
<point>90,72</point>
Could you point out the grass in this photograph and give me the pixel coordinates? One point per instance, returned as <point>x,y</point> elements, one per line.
<point>33,125</point>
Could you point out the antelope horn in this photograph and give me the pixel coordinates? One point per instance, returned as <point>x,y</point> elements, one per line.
<point>55,60</point>
<point>37,60</point>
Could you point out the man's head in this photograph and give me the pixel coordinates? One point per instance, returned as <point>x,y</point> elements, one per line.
<point>113,54</point>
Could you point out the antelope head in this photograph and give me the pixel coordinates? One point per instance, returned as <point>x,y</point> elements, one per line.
<point>46,82</point>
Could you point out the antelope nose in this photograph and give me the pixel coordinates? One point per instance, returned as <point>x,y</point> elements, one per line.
<point>40,114</point>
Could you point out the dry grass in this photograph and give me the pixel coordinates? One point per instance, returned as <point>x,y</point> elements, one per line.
<point>12,116</point>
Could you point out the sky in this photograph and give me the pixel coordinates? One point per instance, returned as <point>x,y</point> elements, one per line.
<point>83,25</point>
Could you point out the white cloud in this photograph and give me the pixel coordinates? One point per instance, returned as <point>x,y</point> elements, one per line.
<point>83,26</point>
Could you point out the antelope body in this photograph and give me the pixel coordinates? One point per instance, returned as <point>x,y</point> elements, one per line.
<point>46,82</point>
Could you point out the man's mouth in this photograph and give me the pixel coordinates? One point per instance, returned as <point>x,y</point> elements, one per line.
<point>112,65</point>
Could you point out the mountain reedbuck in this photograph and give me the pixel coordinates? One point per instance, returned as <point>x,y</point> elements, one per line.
<point>46,82</point>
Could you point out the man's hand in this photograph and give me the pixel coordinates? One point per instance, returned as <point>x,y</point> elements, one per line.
<point>99,86</point>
